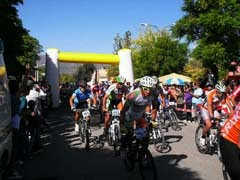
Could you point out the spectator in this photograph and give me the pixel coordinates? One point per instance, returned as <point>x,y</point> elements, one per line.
<point>196,97</point>
<point>188,102</point>
<point>16,93</point>
<point>180,101</point>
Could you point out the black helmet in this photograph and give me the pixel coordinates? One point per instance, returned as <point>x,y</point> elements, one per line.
<point>82,84</point>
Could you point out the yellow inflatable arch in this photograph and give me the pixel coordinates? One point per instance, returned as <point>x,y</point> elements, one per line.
<point>54,56</point>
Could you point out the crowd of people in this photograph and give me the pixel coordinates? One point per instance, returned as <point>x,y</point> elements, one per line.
<point>30,103</point>
<point>212,99</point>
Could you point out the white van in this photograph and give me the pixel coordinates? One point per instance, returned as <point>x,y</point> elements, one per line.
<point>5,116</point>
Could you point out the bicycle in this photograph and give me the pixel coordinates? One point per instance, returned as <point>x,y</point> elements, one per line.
<point>84,127</point>
<point>213,136</point>
<point>169,117</point>
<point>114,134</point>
<point>157,134</point>
<point>136,151</point>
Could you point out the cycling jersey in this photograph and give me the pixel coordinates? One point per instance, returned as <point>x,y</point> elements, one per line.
<point>156,91</point>
<point>95,89</point>
<point>231,129</point>
<point>236,94</point>
<point>114,93</point>
<point>217,102</point>
<point>137,104</point>
<point>80,96</point>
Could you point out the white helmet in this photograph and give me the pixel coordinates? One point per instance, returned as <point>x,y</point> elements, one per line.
<point>147,81</point>
<point>155,79</point>
<point>220,87</point>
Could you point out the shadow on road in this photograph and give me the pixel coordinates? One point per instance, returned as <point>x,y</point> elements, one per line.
<point>173,138</point>
<point>65,158</point>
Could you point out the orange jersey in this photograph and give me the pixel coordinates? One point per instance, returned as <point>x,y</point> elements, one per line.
<point>218,104</point>
<point>231,128</point>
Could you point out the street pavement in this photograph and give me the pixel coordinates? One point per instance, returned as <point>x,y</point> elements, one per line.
<point>63,157</point>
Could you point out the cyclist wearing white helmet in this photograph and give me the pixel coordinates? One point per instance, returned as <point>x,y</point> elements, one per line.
<point>137,103</point>
<point>213,105</point>
<point>113,97</point>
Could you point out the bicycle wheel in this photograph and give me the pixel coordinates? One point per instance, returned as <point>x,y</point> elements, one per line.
<point>86,132</point>
<point>204,149</point>
<point>116,139</point>
<point>174,121</point>
<point>81,131</point>
<point>158,139</point>
<point>109,136</point>
<point>147,165</point>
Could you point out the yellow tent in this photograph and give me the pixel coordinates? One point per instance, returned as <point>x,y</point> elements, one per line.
<point>174,75</point>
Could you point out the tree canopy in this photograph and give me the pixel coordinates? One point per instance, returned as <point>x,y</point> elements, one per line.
<point>215,27</point>
<point>19,47</point>
<point>85,72</point>
<point>157,53</point>
<point>119,43</point>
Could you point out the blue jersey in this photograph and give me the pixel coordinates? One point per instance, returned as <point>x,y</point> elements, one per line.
<point>80,96</point>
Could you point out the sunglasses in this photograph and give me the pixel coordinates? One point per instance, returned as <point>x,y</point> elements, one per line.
<point>146,88</point>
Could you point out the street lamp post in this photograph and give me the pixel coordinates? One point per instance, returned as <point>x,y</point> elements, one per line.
<point>147,24</point>
<point>156,27</point>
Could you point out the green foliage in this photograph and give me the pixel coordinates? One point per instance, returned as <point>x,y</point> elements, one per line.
<point>158,54</point>
<point>41,71</point>
<point>67,78</point>
<point>16,39</point>
<point>112,70</point>
<point>30,48</point>
<point>194,69</point>
<point>210,54</point>
<point>84,72</point>
<point>215,26</point>
<point>119,43</point>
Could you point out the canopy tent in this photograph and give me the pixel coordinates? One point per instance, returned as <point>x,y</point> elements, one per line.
<point>163,79</point>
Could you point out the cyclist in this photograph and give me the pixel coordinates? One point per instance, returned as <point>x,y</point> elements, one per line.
<point>113,97</point>
<point>80,99</point>
<point>95,92</point>
<point>229,144</point>
<point>137,103</point>
<point>214,101</point>
<point>235,95</point>
<point>157,92</point>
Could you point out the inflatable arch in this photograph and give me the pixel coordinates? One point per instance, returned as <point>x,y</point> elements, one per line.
<point>54,56</point>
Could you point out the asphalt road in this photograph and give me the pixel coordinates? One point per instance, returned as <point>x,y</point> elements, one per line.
<point>63,156</point>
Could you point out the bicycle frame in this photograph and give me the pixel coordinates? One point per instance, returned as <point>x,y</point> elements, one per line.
<point>84,129</point>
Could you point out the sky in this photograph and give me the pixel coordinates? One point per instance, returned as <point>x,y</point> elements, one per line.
<point>91,25</point>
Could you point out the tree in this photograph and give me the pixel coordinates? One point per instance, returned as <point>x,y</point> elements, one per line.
<point>67,78</point>
<point>19,46</point>
<point>119,43</point>
<point>215,26</point>
<point>85,72</point>
<point>194,68</point>
<point>30,50</point>
<point>157,53</point>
